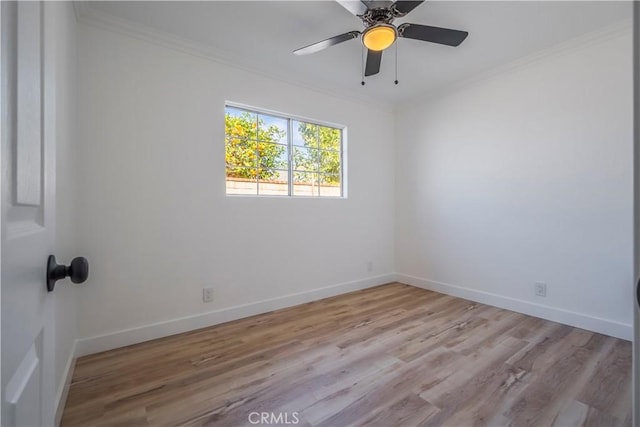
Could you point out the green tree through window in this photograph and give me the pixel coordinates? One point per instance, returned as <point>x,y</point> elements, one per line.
<point>274,155</point>
<point>321,154</point>
<point>251,150</point>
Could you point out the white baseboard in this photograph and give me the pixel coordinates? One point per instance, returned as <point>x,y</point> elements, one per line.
<point>63,387</point>
<point>85,346</point>
<point>140,334</point>
<point>579,320</point>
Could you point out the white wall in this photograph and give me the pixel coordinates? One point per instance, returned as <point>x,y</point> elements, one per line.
<point>154,220</point>
<point>521,178</point>
<point>66,183</point>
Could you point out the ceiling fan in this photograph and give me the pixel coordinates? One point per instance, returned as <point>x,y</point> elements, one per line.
<point>380,33</point>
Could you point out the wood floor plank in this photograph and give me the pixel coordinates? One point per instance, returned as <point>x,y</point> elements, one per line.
<point>565,375</point>
<point>573,414</point>
<point>409,410</point>
<point>478,378</point>
<point>609,388</point>
<point>393,355</point>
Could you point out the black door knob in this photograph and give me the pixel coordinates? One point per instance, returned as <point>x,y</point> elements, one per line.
<point>77,271</point>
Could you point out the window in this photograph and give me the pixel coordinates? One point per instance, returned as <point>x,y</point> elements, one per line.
<point>272,155</point>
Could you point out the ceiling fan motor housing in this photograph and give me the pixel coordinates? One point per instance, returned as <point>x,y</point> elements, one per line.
<point>381,15</point>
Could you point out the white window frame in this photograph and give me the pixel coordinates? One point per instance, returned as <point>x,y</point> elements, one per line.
<point>290,119</point>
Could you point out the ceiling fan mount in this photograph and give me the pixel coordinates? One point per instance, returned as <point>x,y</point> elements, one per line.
<point>380,33</point>
<point>379,15</point>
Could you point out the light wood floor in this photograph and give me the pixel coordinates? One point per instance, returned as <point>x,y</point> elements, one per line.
<point>388,356</point>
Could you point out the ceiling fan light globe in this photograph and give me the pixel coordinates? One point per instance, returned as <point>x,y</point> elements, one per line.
<point>379,37</point>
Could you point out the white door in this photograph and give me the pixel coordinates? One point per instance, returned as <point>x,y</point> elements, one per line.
<point>28,213</point>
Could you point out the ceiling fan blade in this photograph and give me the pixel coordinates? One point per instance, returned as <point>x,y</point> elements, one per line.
<point>356,7</point>
<point>373,63</point>
<point>404,7</point>
<point>316,47</point>
<point>432,34</point>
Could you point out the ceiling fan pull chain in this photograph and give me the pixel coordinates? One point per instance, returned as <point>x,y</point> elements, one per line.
<point>396,81</point>
<point>362,66</point>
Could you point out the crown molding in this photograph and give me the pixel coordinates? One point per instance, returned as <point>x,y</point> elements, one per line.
<point>87,15</point>
<point>618,29</point>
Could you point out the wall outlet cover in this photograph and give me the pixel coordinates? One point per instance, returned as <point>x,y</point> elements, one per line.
<point>540,289</point>
<point>207,294</point>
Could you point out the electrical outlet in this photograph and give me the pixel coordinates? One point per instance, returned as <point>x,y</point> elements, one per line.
<point>540,289</point>
<point>369,266</point>
<point>207,294</point>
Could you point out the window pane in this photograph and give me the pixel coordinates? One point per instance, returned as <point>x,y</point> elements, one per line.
<point>305,159</point>
<point>329,162</point>
<point>272,129</point>
<point>305,134</point>
<point>329,138</point>
<point>240,124</point>
<point>330,185</point>
<point>305,184</point>
<point>240,152</point>
<point>273,156</point>
<point>261,148</point>
<point>241,181</point>
<point>274,183</point>
<point>242,173</point>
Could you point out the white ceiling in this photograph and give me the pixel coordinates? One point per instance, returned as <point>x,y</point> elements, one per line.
<point>261,35</point>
